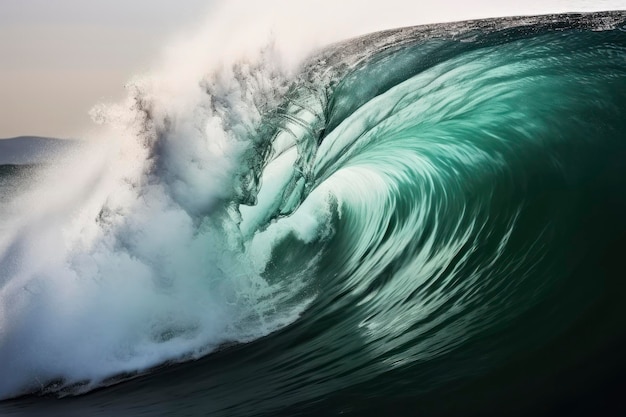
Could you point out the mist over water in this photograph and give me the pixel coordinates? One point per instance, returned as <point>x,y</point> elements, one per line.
<point>390,204</point>
<point>127,253</point>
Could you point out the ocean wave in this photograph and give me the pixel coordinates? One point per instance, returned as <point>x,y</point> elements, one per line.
<point>408,198</point>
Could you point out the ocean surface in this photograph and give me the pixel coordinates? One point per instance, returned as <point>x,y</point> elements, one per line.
<point>423,221</point>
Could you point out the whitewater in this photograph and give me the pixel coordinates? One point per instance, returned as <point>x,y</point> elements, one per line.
<point>419,204</point>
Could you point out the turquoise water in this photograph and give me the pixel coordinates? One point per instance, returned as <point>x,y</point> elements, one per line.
<point>435,218</point>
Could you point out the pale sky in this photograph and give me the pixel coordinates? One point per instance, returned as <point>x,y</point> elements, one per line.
<point>58,58</point>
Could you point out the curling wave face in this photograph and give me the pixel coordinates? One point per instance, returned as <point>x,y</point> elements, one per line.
<point>412,198</point>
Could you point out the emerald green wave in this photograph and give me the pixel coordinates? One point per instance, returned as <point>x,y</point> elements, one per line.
<point>429,210</point>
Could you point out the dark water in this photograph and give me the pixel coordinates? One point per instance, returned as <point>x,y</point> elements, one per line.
<point>470,258</point>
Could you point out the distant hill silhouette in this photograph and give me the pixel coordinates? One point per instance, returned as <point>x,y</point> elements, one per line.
<point>24,150</point>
